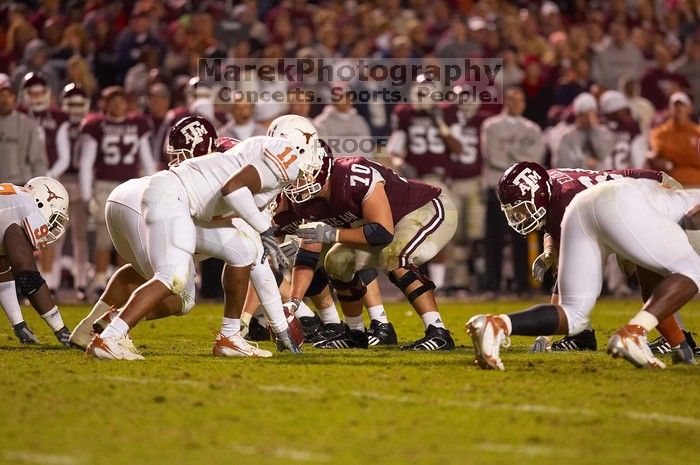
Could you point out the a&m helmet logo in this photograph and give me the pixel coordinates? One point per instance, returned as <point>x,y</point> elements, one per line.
<point>527,181</point>
<point>194,133</point>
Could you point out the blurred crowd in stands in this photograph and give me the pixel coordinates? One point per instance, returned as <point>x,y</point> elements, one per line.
<point>586,84</point>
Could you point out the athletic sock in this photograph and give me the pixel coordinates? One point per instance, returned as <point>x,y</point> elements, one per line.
<point>355,322</point>
<point>645,319</point>
<point>100,279</point>
<point>377,312</point>
<point>230,326</point>
<point>53,319</point>
<point>9,302</point>
<point>437,272</point>
<point>304,310</point>
<point>329,315</point>
<point>117,329</point>
<point>669,329</point>
<point>540,320</point>
<point>432,318</point>
<point>99,309</point>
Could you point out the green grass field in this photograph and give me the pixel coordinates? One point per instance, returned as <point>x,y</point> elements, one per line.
<point>378,407</point>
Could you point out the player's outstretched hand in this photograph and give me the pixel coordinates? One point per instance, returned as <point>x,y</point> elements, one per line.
<point>318,233</point>
<point>290,249</point>
<point>272,249</point>
<point>541,264</point>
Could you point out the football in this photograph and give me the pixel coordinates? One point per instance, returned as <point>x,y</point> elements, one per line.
<point>296,331</point>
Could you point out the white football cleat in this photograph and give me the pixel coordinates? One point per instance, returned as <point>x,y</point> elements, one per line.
<point>111,348</point>
<point>236,346</point>
<point>488,333</point>
<point>630,343</point>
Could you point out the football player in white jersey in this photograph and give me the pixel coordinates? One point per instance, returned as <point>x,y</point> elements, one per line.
<point>209,188</point>
<point>31,217</point>
<point>637,219</point>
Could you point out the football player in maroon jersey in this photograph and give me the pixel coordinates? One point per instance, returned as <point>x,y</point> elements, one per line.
<point>464,177</point>
<point>36,98</point>
<point>76,104</point>
<point>364,216</point>
<point>532,199</point>
<point>115,147</point>
<point>421,144</point>
<point>630,148</point>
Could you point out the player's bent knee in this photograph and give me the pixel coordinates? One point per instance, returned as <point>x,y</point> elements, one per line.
<point>356,288</point>
<point>29,282</point>
<point>409,280</point>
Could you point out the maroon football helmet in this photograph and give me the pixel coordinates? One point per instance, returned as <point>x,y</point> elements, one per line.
<point>36,92</point>
<point>191,136</point>
<point>524,191</point>
<point>75,102</point>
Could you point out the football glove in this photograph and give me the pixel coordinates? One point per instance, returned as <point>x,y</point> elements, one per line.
<point>272,249</point>
<point>317,233</point>
<point>541,344</point>
<point>290,249</point>
<point>284,342</point>
<point>541,264</point>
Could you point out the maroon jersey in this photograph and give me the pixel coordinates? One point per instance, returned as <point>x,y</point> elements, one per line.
<point>117,145</point>
<point>625,130</point>
<point>566,183</point>
<point>51,121</point>
<point>424,149</point>
<point>468,163</point>
<point>74,138</point>
<point>351,179</point>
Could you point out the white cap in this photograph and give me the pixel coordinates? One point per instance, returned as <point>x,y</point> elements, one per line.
<point>549,8</point>
<point>475,23</point>
<point>612,101</point>
<point>584,102</point>
<point>680,97</point>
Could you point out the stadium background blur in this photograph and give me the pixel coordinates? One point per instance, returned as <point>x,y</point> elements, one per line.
<point>553,51</point>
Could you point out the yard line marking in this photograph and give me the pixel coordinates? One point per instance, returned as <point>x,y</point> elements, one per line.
<point>534,408</point>
<point>524,449</point>
<point>298,455</point>
<point>128,379</point>
<point>290,388</point>
<point>663,418</point>
<point>37,457</point>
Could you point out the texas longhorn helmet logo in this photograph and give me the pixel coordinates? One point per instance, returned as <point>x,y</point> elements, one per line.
<point>307,135</point>
<point>193,133</point>
<point>52,194</point>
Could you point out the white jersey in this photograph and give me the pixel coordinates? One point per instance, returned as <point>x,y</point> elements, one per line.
<point>18,207</point>
<point>203,177</point>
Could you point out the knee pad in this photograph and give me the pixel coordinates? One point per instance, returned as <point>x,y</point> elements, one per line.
<point>318,283</point>
<point>176,277</point>
<point>29,282</point>
<point>412,275</point>
<point>357,288</point>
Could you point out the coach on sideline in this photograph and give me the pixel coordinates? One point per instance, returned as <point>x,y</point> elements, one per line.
<point>21,141</point>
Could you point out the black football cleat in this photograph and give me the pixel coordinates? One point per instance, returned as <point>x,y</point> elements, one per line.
<point>63,336</point>
<point>348,339</point>
<point>330,330</point>
<point>585,340</point>
<point>257,332</point>
<point>435,339</point>
<point>660,346</point>
<point>311,325</point>
<point>24,334</point>
<point>381,334</point>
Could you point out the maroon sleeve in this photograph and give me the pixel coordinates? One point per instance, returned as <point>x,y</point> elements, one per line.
<point>639,174</point>
<point>353,177</point>
<point>91,126</point>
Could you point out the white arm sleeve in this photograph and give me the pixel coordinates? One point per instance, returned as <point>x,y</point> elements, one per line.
<point>62,152</point>
<point>397,143</point>
<point>88,155</point>
<point>242,202</point>
<point>148,164</point>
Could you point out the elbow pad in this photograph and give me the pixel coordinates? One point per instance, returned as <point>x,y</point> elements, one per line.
<point>377,235</point>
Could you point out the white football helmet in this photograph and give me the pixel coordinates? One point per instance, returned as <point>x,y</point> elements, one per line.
<point>52,199</point>
<point>303,136</point>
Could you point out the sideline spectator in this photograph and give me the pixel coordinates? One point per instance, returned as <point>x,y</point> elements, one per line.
<point>675,144</point>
